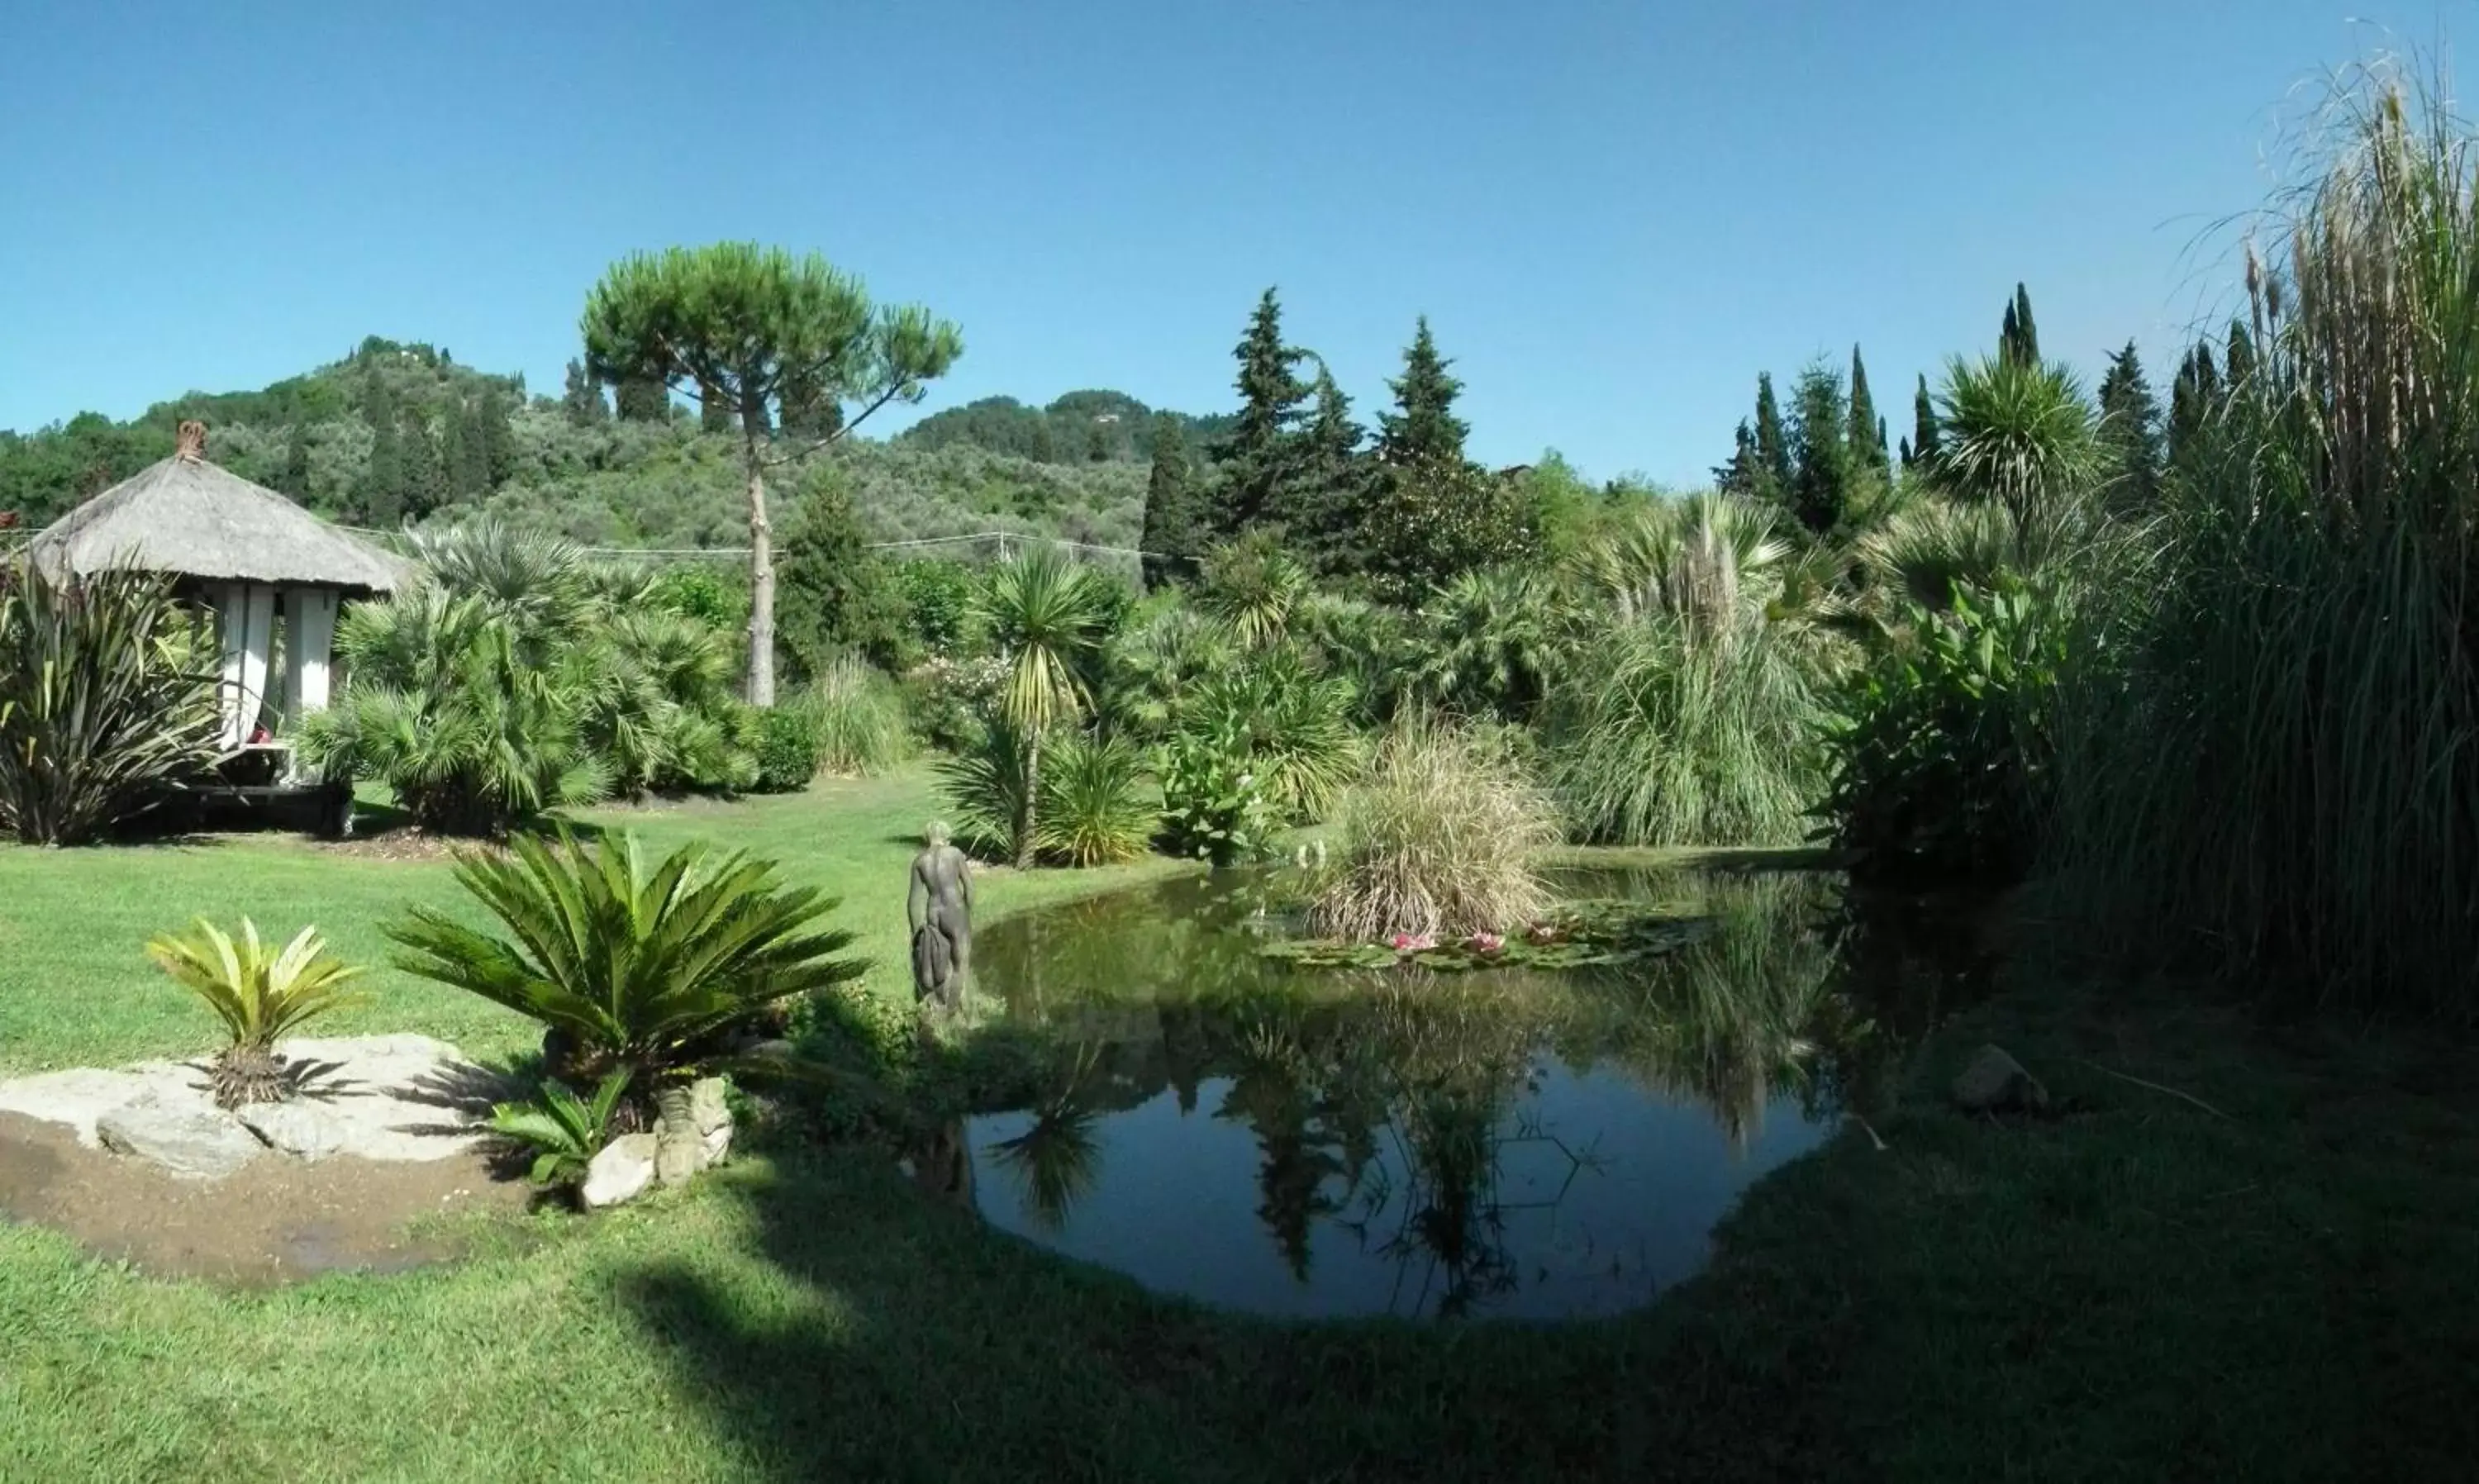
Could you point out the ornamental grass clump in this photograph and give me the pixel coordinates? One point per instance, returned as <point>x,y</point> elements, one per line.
<point>1437,842</point>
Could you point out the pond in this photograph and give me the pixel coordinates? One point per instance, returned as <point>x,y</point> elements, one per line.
<point>1503,1143</point>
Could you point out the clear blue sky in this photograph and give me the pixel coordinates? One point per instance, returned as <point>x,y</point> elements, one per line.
<point>1614,213</point>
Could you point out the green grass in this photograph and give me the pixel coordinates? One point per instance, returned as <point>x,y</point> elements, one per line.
<point>2139,1290</point>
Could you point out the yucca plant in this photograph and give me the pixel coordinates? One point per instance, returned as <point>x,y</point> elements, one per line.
<point>259,997</point>
<point>1096,811</point>
<point>563,1131</point>
<point>100,716</point>
<point>636,967</point>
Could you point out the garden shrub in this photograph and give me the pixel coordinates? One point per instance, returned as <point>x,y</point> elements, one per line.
<point>1215,806</point>
<point>786,748</point>
<point>948,701</point>
<point>1942,752</point>
<point>987,784</point>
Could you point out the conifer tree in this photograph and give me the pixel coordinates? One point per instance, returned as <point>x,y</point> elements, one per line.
<point>1925,433</point>
<point>297,462</point>
<point>1323,514</point>
<point>425,478</point>
<point>1773,444</point>
<point>1744,475</point>
<point>468,468</point>
<point>2019,339</point>
<point>643,399</point>
<point>1423,427</point>
<point>1259,456</point>
<point>2240,362</point>
<point>2131,430</point>
<point>714,408</point>
<point>1171,541</point>
<point>1867,435</point>
<point>498,440</point>
<point>380,500</point>
<point>1824,461</point>
<point>581,401</point>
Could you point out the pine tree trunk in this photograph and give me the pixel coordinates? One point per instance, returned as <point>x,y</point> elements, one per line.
<point>1032,799</point>
<point>761,578</point>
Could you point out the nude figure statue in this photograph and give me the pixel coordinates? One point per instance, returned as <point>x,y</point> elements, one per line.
<point>940,908</point>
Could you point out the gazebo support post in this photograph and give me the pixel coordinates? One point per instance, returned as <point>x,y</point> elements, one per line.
<point>248,635</point>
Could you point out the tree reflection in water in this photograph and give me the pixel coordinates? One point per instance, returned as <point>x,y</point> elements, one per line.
<point>1385,1103</point>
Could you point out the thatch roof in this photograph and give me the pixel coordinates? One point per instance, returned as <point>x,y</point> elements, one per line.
<point>189,518</point>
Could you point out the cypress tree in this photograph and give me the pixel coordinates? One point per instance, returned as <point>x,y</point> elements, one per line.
<point>644,399</point>
<point>2240,361</point>
<point>1824,460</point>
<point>2019,339</point>
<point>380,500</point>
<point>1867,430</point>
<point>2130,427</point>
<point>1258,455</point>
<point>425,478</point>
<point>1744,475</point>
<point>1772,445</point>
<point>581,399</point>
<point>469,467</point>
<point>1925,433</point>
<point>1171,538</point>
<point>296,463</point>
<point>498,440</point>
<point>1423,427</point>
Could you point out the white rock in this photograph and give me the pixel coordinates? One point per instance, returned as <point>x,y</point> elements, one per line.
<point>80,1096</point>
<point>715,1143</point>
<point>193,1139</point>
<point>620,1172</point>
<point>1993,1081</point>
<point>307,1130</point>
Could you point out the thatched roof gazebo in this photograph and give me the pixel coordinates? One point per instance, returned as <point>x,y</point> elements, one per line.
<point>238,547</point>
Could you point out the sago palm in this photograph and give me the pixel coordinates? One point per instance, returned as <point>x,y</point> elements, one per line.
<point>1046,615</point>
<point>637,968</point>
<point>260,997</point>
<point>564,1131</point>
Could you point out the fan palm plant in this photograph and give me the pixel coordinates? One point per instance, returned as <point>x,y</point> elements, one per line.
<point>1045,614</point>
<point>1255,587</point>
<point>635,968</point>
<point>260,997</point>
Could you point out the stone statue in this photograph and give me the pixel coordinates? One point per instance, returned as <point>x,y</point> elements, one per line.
<point>940,908</point>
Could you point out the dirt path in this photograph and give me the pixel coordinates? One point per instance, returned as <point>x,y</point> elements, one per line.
<point>277,1220</point>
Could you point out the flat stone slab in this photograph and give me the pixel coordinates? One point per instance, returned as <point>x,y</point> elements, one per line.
<point>376,1097</point>
<point>189,1136</point>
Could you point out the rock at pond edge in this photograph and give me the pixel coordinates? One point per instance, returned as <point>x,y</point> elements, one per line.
<point>1993,1082</point>
<point>300,1129</point>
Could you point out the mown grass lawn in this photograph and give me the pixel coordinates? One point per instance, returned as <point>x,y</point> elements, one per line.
<point>2286,1289</point>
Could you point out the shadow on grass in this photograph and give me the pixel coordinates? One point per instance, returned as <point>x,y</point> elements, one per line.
<point>2283,1287</point>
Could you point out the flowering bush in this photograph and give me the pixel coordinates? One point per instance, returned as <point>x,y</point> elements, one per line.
<point>949,698</point>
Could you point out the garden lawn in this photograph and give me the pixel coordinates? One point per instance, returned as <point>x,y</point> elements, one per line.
<point>2283,1288</point>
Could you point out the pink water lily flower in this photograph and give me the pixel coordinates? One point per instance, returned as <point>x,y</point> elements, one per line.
<point>1410,942</point>
<point>1487,942</point>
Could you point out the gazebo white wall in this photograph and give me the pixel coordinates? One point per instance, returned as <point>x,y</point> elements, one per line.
<point>246,615</point>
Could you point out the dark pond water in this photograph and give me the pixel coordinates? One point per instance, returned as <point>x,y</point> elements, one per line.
<point>1516,1144</point>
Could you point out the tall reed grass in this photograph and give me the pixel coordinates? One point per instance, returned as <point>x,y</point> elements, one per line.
<point>2270,763</point>
<point>1437,842</point>
<point>858,715</point>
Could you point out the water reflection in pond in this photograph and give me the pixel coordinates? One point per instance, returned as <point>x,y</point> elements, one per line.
<point>1506,1142</point>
